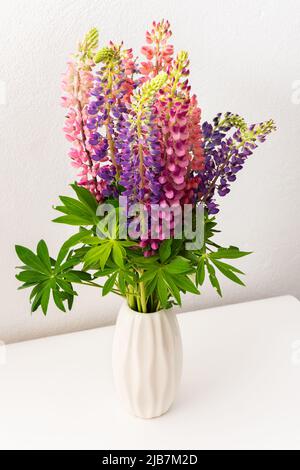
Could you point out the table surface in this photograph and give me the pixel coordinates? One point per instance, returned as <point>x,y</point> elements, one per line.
<point>240,387</point>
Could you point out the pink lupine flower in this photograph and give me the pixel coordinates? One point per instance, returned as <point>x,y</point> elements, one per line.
<point>159,54</point>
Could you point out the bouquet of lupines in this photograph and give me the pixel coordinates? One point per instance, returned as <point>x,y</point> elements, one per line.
<point>145,164</point>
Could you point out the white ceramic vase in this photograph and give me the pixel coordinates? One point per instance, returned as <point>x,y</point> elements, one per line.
<point>147,360</point>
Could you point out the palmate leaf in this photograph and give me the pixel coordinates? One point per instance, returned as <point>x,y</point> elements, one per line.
<point>167,280</point>
<point>98,255</point>
<point>118,254</point>
<point>43,274</point>
<point>72,241</point>
<point>81,211</point>
<point>107,250</point>
<point>227,271</point>
<point>30,259</point>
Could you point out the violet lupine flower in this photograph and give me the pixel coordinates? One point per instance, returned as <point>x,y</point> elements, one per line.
<point>77,83</point>
<point>109,96</point>
<point>227,145</point>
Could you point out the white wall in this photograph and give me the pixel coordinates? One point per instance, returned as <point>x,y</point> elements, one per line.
<point>245,56</point>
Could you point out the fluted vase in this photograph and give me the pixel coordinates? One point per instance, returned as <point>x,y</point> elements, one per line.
<point>147,360</point>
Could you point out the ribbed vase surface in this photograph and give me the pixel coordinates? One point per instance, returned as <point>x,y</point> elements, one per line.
<point>147,360</point>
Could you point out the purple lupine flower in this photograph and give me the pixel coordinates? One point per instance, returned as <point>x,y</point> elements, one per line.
<point>227,145</point>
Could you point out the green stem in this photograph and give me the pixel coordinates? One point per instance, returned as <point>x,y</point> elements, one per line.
<point>143,297</point>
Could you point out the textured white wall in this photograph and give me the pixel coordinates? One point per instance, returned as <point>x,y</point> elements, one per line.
<point>245,56</point>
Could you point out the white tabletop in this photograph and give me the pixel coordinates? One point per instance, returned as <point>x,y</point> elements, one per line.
<point>240,387</point>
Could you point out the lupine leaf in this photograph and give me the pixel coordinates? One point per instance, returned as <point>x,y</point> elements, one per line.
<point>179,265</point>
<point>98,255</point>
<point>77,207</point>
<point>43,254</point>
<point>213,279</point>
<point>109,284</point>
<point>162,290</point>
<point>72,241</point>
<point>30,259</point>
<point>73,220</point>
<point>173,288</point>
<point>121,282</point>
<point>31,276</point>
<point>165,250</point>
<point>57,299</point>
<point>86,197</point>
<point>231,253</point>
<point>103,273</point>
<point>227,266</point>
<point>200,275</point>
<point>184,283</point>
<point>118,254</point>
<point>45,298</point>
<point>228,273</point>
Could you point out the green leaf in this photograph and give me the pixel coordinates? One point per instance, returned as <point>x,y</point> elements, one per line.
<point>43,254</point>
<point>185,284</point>
<point>76,207</point>
<point>104,273</point>
<point>227,266</point>
<point>162,290</point>
<point>26,285</point>
<point>57,299</point>
<point>72,241</point>
<point>66,286</point>
<point>36,289</point>
<point>148,275</point>
<point>36,302</point>
<point>86,197</point>
<point>73,220</point>
<point>109,284</point>
<point>31,276</point>
<point>30,259</point>
<point>118,254</point>
<point>179,265</point>
<point>227,272</point>
<point>45,298</point>
<point>83,276</point>
<point>71,277</point>
<point>173,288</point>
<point>98,255</point>
<point>231,253</point>
<point>128,243</point>
<point>122,283</point>
<point>213,279</point>
<point>200,275</point>
<point>151,286</point>
<point>165,250</point>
